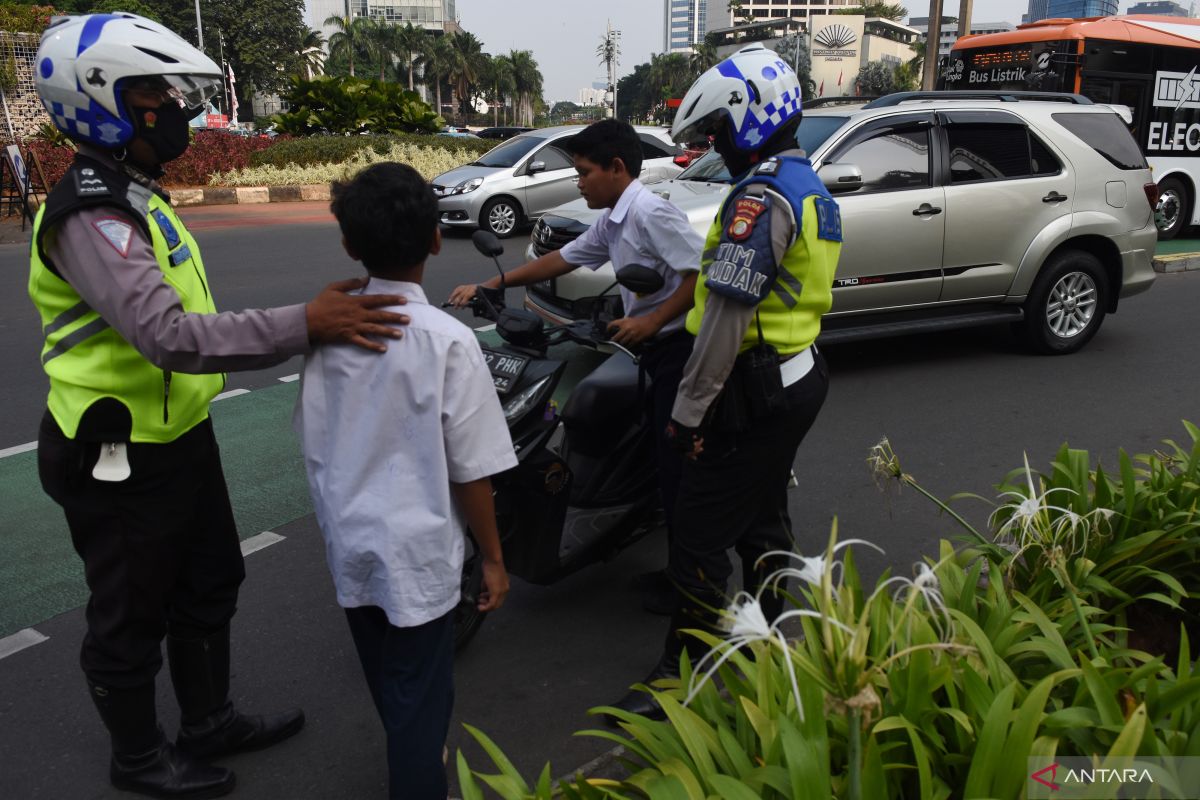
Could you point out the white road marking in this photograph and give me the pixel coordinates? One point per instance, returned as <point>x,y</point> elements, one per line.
<point>290,378</point>
<point>260,541</point>
<point>230,393</point>
<point>21,448</point>
<point>486,328</point>
<point>19,641</point>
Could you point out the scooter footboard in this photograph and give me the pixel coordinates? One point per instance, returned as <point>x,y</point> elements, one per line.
<point>532,499</point>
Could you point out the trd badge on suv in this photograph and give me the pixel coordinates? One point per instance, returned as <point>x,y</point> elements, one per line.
<point>958,209</point>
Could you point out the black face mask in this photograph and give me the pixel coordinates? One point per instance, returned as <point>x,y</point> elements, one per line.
<point>165,129</point>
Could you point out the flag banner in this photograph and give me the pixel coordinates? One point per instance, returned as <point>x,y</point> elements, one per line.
<point>233,101</point>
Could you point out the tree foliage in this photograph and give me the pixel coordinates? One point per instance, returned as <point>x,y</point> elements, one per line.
<point>876,79</point>
<point>353,105</point>
<point>892,11</point>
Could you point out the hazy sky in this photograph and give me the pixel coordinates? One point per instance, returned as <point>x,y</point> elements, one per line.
<point>564,34</point>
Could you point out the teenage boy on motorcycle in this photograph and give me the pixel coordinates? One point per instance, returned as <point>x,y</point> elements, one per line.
<point>638,227</point>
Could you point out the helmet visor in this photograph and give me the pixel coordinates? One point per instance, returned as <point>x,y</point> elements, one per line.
<point>700,127</point>
<point>193,91</point>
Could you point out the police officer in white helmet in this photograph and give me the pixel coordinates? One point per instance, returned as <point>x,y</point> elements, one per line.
<point>754,383</point>
<point>135,350</point>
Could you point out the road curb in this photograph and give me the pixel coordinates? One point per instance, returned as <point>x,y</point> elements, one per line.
<point>230,195</point>
<point>1177,262</point>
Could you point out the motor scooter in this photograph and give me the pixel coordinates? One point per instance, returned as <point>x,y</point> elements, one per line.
<point>586,482</point>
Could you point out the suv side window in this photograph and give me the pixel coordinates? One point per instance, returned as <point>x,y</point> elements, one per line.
<point>554,158</point>
<point>981,151</point>
<point>891,158</point>
<point>1107,135</point>
<point>652,148</point>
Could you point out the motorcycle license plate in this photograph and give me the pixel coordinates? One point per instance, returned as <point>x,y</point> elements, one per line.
<point>506,368</point>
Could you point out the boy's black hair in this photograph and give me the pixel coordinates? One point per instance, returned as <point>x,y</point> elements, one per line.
<point>388,214</point>
<point>605,140</point>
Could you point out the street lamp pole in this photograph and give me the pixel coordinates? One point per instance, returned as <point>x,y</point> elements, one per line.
<point>199,29</point>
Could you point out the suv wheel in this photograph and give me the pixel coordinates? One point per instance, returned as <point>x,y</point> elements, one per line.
<point>501,216</point>
<point>1174,208</point>
<point>1067,304</point>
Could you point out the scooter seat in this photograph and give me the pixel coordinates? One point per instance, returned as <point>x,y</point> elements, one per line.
<point>608,394</point>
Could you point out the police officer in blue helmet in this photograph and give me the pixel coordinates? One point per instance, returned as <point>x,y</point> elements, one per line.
<point>755,382</point>
<point>134,350</point>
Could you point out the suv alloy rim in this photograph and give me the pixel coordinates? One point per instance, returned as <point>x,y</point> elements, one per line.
<point>1071,304</point>
<point>1167,213</point>
<point>502,218</point>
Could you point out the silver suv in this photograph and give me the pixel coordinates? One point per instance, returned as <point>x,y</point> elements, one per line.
<point>958,209</point>
<point>517,180</point>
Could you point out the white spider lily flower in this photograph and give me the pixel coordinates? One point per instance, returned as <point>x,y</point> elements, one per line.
<point>811,569</point>
<point>1031,512</point>
<point>750,625</point>
<point>927,585</point>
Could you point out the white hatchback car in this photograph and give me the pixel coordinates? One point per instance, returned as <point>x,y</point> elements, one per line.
<point>958,209</point>
<point>517,180</point>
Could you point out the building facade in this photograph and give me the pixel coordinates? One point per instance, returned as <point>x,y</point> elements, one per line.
<point>1164,8</point>
<point>432,15</point>
<point>1079,9</point>
<point>949,31</point>
<point>686,22</point>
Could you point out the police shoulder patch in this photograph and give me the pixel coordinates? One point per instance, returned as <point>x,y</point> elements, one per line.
<point>117,232</point>
<point>745,211</point>
<point>89,184</point>
<point>829,219</point>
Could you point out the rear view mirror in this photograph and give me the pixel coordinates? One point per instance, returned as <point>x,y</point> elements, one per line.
<point>841,177</point>
<point>487,243</point>
<point>640,280</point>
<point>535,167</point>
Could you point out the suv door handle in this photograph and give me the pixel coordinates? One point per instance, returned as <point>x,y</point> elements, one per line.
<point>1054,197</point>
<point>926,210</point>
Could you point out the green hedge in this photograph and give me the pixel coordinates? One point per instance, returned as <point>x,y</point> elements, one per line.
<point>310,150</point>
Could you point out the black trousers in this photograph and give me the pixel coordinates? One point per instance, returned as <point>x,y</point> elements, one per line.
<point>735,495</point>
<point>160,549</point>
<point>664,361</point>
<point>410,672</point>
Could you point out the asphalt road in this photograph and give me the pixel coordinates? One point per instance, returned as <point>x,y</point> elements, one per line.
<point>960,409</point>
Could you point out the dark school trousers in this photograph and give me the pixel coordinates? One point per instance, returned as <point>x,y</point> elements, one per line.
<point>160,549</point>
<point>664,361</point>
<point>410,672</point>
<point>735,495</point>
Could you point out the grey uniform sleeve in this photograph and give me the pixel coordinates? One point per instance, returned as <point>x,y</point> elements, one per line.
<point>128,291</point>
<point>721,333</point>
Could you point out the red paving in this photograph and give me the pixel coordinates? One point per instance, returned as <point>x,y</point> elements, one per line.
<point>243,215</point>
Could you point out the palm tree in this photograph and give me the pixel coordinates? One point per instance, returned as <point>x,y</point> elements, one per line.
<point>704,55</point>
<point>352,38</point>
<point>410,41</point>
<point>312,53</point>
<point>466,57</point>
<point>527,84</point>
<point>497,74</point>
<point>435,64</point>
<point>381,44</point>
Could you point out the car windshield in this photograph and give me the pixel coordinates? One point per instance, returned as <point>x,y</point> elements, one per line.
<point>812,134</point>
<point>509,153</point>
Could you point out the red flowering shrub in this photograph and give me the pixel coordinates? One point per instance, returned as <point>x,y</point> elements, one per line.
<point>54,159</point>
<point>212,151</point>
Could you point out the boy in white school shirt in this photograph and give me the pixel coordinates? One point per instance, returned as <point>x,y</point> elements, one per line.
<point>399,449</point>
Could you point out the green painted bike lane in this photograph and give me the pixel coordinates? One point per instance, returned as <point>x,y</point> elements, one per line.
<point>40,574</point>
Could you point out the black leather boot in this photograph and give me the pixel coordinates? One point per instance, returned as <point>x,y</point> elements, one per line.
<point>210,726</point>
<point>143,761</point>
<point>690,613</point>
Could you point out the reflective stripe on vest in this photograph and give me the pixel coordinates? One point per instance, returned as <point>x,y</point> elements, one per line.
<point>87,360</point>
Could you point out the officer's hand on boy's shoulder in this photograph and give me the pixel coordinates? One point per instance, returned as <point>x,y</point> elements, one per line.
<point>335,316</point>
<point>495,586</point>
<point>630,331</point>
<point>685,440</point>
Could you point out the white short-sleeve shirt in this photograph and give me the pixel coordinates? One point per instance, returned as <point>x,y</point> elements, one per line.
<point>383,436</point>
<point>642,229</point>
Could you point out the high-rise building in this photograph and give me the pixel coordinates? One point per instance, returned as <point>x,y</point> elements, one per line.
<point>949,30</point>
<point>1038,10</point>
<point>433,15</point>
<point>685,24</point>
<point>1072,9</point>
<point>1165,8</point>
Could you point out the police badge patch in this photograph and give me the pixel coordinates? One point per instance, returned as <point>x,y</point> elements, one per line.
<point>116,232</point>
<point>745,212</point>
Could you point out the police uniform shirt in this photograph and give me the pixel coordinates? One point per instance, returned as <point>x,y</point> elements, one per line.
<point>647,230</point>
<point>725,324</point>
<point>110,263</point>
<point>383,436</point>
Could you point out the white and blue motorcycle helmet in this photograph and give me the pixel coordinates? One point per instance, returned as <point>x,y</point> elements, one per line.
<point>84,62</point>
<point>755,89</point>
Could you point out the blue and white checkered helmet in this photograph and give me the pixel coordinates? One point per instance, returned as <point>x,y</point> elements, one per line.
<point>754,88</point>
<point>84,62</point>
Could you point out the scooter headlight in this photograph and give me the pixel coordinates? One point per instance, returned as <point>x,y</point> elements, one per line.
<point>519,404</point>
